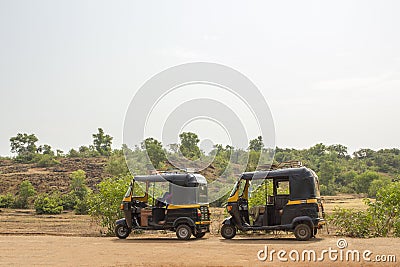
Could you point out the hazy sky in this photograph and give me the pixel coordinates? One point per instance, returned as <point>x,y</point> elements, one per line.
<point>329,71</point>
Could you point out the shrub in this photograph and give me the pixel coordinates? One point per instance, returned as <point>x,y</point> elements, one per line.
<point>382,217</point>
<point>82,207</point>
<point>69,201</point>
<point>6,201</point>
<point>350,222</point>
<point>378,184</point>
<point>385,210</point>
<point>25,193</point>
<point>78,184</point>
<point>46,160</point>
<point>104,206</point>
<point>48,204</point>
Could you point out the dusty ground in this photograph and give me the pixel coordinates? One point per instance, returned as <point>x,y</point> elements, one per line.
<point>150,251</point>
<point>73,240</point>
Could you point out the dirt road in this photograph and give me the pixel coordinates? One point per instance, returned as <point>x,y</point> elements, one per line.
<point>167,251</point>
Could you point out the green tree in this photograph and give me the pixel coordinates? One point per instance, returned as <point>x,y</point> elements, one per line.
<point>377,184</point>
<point>363,181</point>
<point>253,161</point>
<point>60,153</point>
<point>256,144</point>
<point>45,150</point>
<point>155,151</point>
<point>116,164</point>
<point>78,184</point>
<point>102,142</point>
<point>339,150</point>
<point>73,153</point>
<point>25,193</point>
<point>104,206</point>
<point>189,145</point>
<point>25,146</point>
<point>79,195</point>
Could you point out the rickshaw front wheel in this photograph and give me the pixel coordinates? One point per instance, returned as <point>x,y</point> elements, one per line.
<point>228,231</point>
<point>121,231</point>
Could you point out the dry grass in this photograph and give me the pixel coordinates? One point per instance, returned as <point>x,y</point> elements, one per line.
<point>28,222</point>
<point>348,201</point>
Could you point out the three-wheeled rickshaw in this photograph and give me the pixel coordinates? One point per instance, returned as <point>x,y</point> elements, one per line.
<point>181,205</point>
<point>292,203</point>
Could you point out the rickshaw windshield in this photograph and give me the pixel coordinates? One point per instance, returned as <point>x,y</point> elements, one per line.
<point>139,189</point>
<point>129,191</point>
<point>235,188</point>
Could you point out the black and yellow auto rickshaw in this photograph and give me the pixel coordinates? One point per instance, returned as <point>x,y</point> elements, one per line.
<point>181,206</point>
<point>292,204</point>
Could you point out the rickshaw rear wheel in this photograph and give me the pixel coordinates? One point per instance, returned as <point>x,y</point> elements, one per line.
<point>228,231</point>
<point>122,231</point>
<point>183,232</point>
<point>302,232</point>
<point>199,235</point>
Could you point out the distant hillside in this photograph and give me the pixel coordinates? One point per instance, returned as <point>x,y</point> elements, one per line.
<point>51,178</point>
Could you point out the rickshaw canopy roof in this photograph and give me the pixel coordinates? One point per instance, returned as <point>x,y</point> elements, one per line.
<point>181,179</point>
<point>296,173</point>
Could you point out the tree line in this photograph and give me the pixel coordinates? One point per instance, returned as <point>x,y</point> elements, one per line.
<point>369,172</point>
<point>364,171</point>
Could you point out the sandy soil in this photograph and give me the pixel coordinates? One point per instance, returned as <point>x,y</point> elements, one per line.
<point>72,240</point>
<point>150,251</point>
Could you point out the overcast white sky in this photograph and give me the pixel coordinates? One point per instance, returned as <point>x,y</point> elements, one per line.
<point>329,71</point>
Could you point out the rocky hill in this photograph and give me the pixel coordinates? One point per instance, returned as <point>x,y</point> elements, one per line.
<point>51,178</point>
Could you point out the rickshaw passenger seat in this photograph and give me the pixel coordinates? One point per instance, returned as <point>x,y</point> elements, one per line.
<point>158,214</point>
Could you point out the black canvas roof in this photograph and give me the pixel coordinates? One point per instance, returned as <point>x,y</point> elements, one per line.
<point>292,172</point>
<point>181,179</point>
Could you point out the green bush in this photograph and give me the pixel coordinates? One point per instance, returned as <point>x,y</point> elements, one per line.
<point>7,201</point>
<point>69,201</point>
<point>82,207</point>
<point>48,204</point>
<point>45,160</point>
<point>104,206</point>
<point>382,217</point>
<point>385,210</point>
<point>25,193</point>
<point>377,184</point>
<point>350,222</point>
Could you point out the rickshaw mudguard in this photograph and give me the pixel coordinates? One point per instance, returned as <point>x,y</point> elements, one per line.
<point>229,221</point>
<point>184,220</point>
<point>121,222</point>
<point>302,219</point>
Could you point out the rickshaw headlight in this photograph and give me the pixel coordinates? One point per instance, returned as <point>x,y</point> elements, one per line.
<point>229,208</point>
